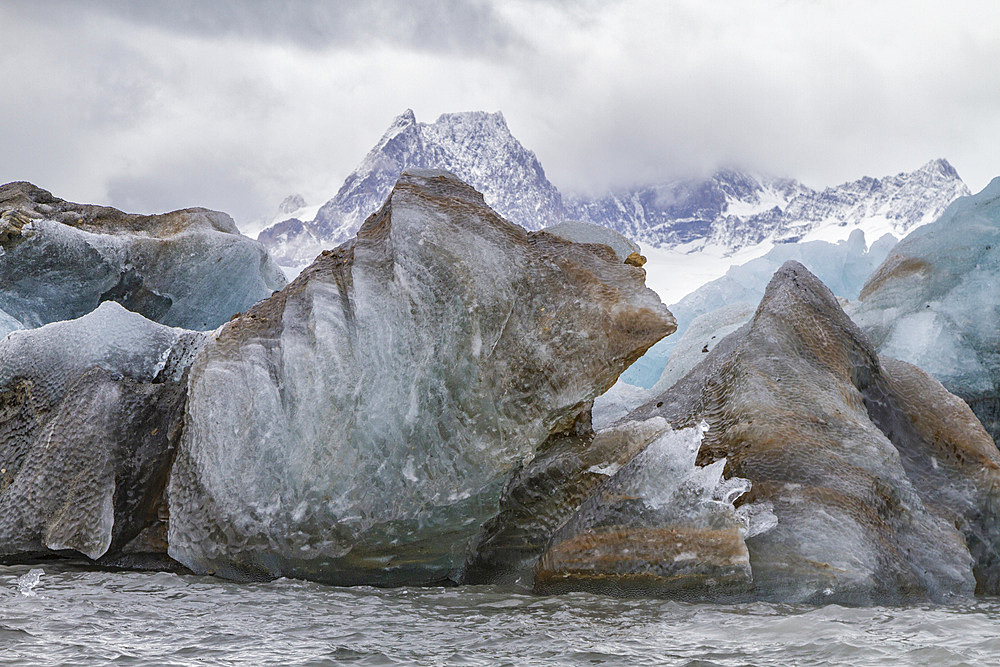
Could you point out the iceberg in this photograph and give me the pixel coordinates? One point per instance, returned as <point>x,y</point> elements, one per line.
<point>588,232</point>
<point>720,305</point>
<point>90,414</point>
<point>850,478</point>
<point>624,510</point>
<point>358,427</point>
<point>843,267</point>
<point>58,261</point>
<point>935,302</point>
<point>663,526</point>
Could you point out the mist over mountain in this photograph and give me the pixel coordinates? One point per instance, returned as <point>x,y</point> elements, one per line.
<point>733,209</point>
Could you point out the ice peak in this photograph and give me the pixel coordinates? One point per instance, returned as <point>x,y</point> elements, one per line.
<point>991,191</point>
<point>988,196</point>
<point>414,174</point>
<point>19,186</point>
<point>433,182</point>
<point>856,241</point>
<point>795,282</point>
<point>24,191</point>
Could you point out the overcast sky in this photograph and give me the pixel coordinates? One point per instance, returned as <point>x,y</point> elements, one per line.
<point>233,105</point>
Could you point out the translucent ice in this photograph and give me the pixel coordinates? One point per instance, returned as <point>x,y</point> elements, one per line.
<point>625,509</point>
<point>617,402</point>
<point>189,268</point>
<point>8,324</point>
<point>588,232</point>
<point>26,583</point>
<point>662,525</point>
<point>701,336</point>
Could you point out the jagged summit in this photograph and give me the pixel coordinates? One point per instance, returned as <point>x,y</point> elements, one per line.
<point>465,117</point>
<point>940,166</point>
<point>405,118</point>
<point>24,191</point>
<point>291,203</point>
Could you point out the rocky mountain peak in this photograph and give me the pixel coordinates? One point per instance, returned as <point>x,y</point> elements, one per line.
<point>467,118</point>
<point>406,118</point>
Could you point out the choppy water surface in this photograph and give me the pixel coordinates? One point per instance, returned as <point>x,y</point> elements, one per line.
<point>68,615</point>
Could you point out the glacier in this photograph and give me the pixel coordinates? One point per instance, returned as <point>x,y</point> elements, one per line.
<point>843,266</point>
<point>935,302</point>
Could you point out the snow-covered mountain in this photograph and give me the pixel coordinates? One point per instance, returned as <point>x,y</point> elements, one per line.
<point>732,210</point>
<point>689,210</point>
<point>476,146</point>
<point>729,212</point>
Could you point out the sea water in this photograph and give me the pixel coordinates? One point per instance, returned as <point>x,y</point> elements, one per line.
<point>68,614</point>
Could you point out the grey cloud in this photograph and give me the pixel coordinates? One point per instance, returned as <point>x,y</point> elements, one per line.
<point>468,27</point>
<point>209,183</point>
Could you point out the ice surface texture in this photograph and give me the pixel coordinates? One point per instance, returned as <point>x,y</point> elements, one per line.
<point>90,413</point>
<point>358,426</point>
<point>624,510</point>
<point>588,232</point>
<point>935,302</point>
<point>59,260</point>
<point>870,483</point>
